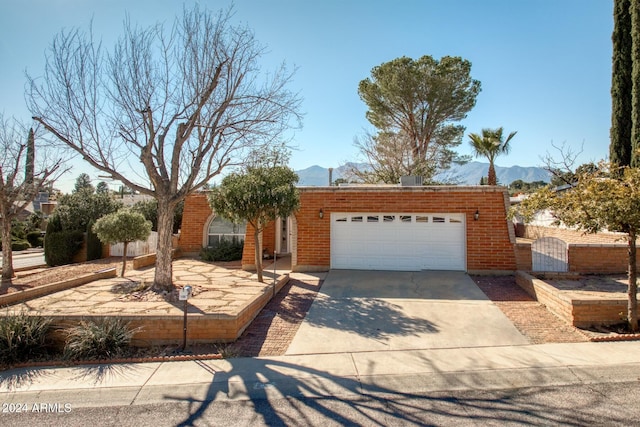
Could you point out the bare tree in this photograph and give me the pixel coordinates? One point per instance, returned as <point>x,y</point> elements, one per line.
<point>21,177</point>
<point>185,102</point>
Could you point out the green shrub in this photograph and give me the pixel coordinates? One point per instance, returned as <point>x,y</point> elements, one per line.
<point>98,339</point>
<point>226,250</point>
<point>20,245</point>
<point>94,245</point>
<point>22,337</point>
<point>35,238</point>
<point>61,246</point>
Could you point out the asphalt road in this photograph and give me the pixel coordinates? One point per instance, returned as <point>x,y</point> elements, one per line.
<point>26,259</point>
<point>610,404</point>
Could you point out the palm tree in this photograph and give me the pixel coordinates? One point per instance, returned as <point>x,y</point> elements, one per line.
<point>490,144</point>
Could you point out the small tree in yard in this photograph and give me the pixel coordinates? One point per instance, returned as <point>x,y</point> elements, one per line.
<point>600,199</point>
<point>122,226</point>
<point>258,196</point>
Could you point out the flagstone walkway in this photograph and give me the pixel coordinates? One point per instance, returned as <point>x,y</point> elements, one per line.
<point>216,290</point>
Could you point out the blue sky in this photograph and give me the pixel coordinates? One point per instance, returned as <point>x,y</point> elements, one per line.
<point>545,65</point>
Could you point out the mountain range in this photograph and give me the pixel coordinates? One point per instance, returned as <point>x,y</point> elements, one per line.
<point>468,174</point>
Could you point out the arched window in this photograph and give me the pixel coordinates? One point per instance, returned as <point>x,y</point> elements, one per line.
<point>221,229</point>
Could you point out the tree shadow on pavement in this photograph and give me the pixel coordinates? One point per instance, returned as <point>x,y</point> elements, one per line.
<point>282,393</point>
<point>367,317</point>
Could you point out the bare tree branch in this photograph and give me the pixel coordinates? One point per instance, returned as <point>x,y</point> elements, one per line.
<point>186,102</point>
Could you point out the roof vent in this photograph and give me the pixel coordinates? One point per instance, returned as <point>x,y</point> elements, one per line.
<point>410,181</point>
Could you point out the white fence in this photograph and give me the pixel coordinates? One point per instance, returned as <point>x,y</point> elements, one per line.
<point>136,248</point>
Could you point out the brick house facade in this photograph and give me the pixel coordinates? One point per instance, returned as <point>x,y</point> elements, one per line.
<point>489,241</point>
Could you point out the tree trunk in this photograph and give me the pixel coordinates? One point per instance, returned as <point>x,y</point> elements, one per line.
<point>256,240</point>
<point>491,179</point>
<point>632,306</point>
<point>7,253</point>
<point>163,280</point>
<point>124,258</point>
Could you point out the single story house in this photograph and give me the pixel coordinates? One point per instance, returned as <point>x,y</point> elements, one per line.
<point>405,228</point>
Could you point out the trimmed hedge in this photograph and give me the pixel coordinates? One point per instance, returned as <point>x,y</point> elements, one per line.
<point>94,245</point>
<point>226,250</point>
<point>20,245</point>
<point>35,238</point>
<point>61,246</point>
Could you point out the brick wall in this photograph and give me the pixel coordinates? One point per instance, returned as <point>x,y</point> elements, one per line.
<point>523,256</point>
<point>599,258</point>
<point>587,258</point>
<point>195,217</point>
<point>490,240</point>
<point>268,240</point>
<point>534,232</point>
<point>581,313</point>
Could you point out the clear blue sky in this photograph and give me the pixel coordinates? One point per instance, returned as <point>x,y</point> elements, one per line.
<point>545,65</point>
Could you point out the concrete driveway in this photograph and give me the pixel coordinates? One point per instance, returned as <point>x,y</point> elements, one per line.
<point>359,311</point>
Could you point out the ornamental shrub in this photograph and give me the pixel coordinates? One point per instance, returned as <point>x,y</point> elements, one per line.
<point>35,238</point>
<point>94,245</point>
<point>101,338</point>
<point>61,246</point>
<point>23,337</point>
<point>226,250</point>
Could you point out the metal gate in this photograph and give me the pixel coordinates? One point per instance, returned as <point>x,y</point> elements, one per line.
<point>549,254</point>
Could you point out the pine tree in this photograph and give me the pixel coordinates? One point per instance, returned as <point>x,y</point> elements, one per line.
<point>621,85</point>
<point>30,162</point>
<point>635,78</point>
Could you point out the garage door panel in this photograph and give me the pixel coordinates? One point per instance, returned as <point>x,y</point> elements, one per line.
<point>398,241</point>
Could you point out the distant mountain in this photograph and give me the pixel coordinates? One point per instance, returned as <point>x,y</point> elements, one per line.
<point>467,174</point>
<point>471,173</point>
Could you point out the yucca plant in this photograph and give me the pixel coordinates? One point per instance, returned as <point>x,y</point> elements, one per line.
<point>101,338</point>
<point>23,337</point>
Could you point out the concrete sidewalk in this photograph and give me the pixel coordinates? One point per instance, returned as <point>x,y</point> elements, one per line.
<point>341,374</point>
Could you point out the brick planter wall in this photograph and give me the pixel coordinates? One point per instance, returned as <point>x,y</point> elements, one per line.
<point>580,312</point>
<point>165,330</point>
<point>39,291</point>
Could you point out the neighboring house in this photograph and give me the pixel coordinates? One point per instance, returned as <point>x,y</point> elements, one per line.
<point>460,228</point>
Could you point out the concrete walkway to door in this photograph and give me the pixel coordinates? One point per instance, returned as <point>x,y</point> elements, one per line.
<point>359,311</point>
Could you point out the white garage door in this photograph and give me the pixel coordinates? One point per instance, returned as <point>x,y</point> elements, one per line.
<point>398,241</point>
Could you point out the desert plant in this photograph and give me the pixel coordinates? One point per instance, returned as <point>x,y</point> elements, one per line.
<point>98,339</point>
<point>22,337</point>
<point>226,250</point>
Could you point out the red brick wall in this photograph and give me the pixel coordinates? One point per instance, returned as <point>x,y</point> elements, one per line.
<point>490,240</point>
<point>535,232</point>
<point>523,256</point>
<point>599,258</point>
<point>194,218</point>
<point>490,245</point>
<point>268,243</point>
